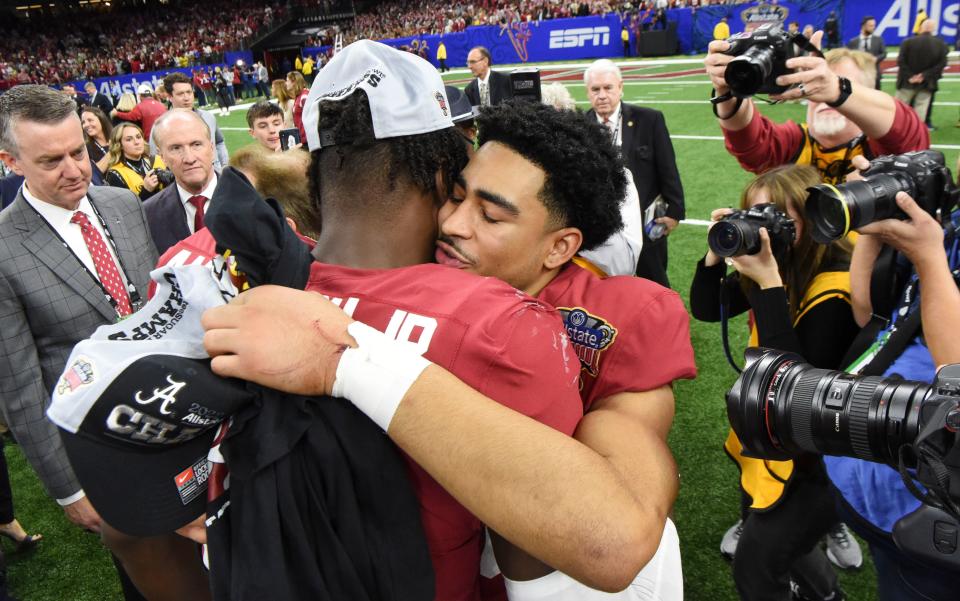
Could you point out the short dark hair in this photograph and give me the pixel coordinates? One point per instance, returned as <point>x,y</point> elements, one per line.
<point>261,110</point>
<point>31,102</point>
<point>175,77</point>
<point>359,157</point>
<point>866,18</point>
<point>585,184</point>
<point>484,53</point>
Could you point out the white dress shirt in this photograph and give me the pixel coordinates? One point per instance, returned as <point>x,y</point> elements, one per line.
<point>483,87</point>
<point>189,208</point>
<point>620,253</point>
<point>615,125</point>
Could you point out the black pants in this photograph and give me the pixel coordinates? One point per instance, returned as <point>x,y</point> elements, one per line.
<point>653,261</point>
<point>6,495</point>
<point>443,64</point>
<point>783,542</point>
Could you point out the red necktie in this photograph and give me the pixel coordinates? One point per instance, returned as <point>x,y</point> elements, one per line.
<point>106,268</point>
<point>197,201</point>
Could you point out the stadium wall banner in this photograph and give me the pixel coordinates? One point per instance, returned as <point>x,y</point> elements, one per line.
<point>895,18</point>
<point>523,42</point>
<point>121,84</point>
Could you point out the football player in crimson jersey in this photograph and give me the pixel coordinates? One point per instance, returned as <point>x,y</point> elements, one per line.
<point>539,188</point>
<point>532,484</point>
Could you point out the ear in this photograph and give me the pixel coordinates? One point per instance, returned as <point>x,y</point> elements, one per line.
<point>566,243</point>
<point>250,131</point>
<point>292,224</point>
<point>11,162</point>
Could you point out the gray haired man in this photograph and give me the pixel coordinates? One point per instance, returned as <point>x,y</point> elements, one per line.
<point>72,257</point>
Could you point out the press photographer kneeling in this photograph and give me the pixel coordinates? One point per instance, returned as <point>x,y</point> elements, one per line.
<point>890,438</point>
<point>798,292</point>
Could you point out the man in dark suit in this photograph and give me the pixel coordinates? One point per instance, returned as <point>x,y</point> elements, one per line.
<point>920,64</point>
<point>183,139</point>
<point>96,99</point>
<point>72,257</point>
<point>645,146</point>
<point>490,87</point>
<point>870,43</point>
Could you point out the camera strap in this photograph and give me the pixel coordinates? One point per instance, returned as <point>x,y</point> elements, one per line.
<point>717,100</point>
<point>724,325</point>
<point>868,354</point>
<point>806,45</point>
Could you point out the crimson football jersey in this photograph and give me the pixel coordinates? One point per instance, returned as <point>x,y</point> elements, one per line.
<point>629,333</point>
<point>497,340</point>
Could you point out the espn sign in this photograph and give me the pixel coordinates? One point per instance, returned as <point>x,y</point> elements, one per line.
<point>580,37</point>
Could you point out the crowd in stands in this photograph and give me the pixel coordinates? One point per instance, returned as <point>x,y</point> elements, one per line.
<point>141,39</point>
<point>127,40</point>
<point>405,18</point>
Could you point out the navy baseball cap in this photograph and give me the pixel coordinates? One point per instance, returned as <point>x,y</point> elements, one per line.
<point>138,407</point>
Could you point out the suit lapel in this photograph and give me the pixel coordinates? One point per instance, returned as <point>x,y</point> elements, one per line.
<point>626,129</point>
<point>41,241</point>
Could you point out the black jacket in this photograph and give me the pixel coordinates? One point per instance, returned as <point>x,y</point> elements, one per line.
<point>499,89</point>
<point>167,218</point>
<point>648,153</point>
<point>321,509</point>
<point>103,103</point>
<point>925,54</point>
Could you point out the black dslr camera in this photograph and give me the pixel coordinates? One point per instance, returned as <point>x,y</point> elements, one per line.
<point>835,210</point>
<point>164,176</point>
<point>739,232</point>
<point>781,407</point>
<point>761,57</point>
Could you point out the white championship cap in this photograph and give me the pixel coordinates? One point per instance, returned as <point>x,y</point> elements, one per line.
<point>406,93</point>
<point>144,88</point>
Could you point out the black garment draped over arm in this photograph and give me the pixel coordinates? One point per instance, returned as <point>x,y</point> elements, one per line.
<point>821,337</point>
<point>708,284</point>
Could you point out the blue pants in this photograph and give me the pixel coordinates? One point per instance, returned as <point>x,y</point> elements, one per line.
<point>901,577</point>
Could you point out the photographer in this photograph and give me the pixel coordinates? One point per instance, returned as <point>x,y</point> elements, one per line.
<point>873,496</point>
<point>846,117</point>
<point>131,165</point>
<point>798,292</point>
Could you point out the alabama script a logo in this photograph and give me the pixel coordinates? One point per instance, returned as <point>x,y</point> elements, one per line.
<point>167,395</point>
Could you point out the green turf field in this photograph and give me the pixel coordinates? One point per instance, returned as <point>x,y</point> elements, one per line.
<point>71,565</point>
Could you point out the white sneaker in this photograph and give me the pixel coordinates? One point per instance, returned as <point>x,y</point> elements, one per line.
<point>843,550</point>
<point>728,544</point>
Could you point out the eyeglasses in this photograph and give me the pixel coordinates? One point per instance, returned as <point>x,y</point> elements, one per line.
<point>474,62</point>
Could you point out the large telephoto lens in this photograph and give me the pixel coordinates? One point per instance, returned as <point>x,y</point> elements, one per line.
<point>733,238</point>
<point>836,210</point>
<point>781,407</point>
<point>746,73</point>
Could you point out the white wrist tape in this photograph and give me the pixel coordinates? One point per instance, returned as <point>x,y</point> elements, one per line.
<point>376,375</point>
